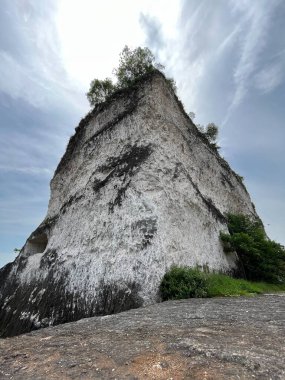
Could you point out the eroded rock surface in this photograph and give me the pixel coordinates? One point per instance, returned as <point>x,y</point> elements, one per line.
<point>138,190</point>
<point>197,339</point>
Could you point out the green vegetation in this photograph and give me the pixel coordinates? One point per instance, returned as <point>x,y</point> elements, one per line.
<point>133,65</point>
<point>184,282</point>
<point>100,90</point>
<point>261,259</point>
<point>262,263</point>
<point>210,131</point>
<point>181,282</point>
<point>222,285</point>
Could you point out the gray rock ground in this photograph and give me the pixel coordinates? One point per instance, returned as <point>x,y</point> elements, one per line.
<point>221,338</point>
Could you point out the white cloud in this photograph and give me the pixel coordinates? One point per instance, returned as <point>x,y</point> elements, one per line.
<point>32,170</point>
<point>229,40</point>
<point>256,18</point>
<point>93,33</point>
<point>267,79</point>
<point>20,82</point>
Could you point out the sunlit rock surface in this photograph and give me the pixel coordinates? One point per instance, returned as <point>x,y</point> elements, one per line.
<point>138,190</point>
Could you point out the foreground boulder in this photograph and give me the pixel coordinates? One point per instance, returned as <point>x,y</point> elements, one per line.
<point>230,338</point>
<point>138,190</point>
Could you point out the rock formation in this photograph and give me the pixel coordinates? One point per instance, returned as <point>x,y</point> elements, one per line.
<point>138,190</point>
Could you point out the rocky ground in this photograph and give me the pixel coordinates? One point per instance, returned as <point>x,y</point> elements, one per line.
<point>221,338</point>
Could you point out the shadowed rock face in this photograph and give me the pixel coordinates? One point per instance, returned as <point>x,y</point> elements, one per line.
<point>138,190</point>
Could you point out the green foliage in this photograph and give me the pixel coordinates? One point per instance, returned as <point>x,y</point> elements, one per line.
<point>240,177</point>
<point>100,90</point>
<point>211,131</point>
<point>133,65</point>
<point>191,115</point>
<point>261,258</point>
<point>172,84</point>
<point>183,282</point>
<point>221,285</point>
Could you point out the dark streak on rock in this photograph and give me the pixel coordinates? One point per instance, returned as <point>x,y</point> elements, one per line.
<point>213,209</point>
<point>73,199</point>
<point>54,305</point>
<point>148,228</point>
<point>21,263</point>
<point>225,179</point>
<point>176,170</point>
<point>123,166</point>
<point>207,201</point>
<point>113,298</point>
<point>49,258</point>
<point>97,185</point>
<point>129,110</point>
<point>121,191</point>
<point>5,271</point>
<point>127,162</point>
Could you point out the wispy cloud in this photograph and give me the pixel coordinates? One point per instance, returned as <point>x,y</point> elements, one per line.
<point>269,78</point>
<point>27,170</point>
<point>30,64</point>
<point>227,39</point>
<point>153,29</point>
<point>24,83</point>
<point>255,19</point>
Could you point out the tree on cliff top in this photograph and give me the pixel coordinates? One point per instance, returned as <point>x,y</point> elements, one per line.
<point>100,90</point>
<point>133,64</point>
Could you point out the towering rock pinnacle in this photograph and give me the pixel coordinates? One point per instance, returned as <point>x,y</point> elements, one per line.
<point>138,190</point>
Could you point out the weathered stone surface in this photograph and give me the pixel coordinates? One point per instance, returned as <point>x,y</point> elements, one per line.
<point>197,339</point>
<point>138,189</point>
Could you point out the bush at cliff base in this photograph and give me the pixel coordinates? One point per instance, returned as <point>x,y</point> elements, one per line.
<point>260,258</point>
<point>182,282</point>
<point>185,282</point>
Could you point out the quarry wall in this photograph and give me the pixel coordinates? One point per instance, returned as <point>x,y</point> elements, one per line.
<point>138,190</point>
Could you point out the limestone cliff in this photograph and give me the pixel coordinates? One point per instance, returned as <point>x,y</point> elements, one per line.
<point>138,189</point>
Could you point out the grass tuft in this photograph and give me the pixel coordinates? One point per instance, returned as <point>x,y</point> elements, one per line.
<point>222,285</point>
<point>184,282</point>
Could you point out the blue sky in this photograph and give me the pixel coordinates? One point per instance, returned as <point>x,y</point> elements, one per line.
<point>227,57</point>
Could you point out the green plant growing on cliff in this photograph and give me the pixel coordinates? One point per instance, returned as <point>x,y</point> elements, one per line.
<point>262,259</point>
<point>210,131</point>
<point>132,66</point>
<point>100,90</point>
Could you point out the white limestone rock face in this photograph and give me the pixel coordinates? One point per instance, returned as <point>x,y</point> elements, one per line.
<point>138,190</point>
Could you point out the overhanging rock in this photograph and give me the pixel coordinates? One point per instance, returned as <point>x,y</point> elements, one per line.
<point>138,190</point>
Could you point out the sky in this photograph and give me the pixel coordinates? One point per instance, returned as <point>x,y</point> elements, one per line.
<point>228,60</point>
